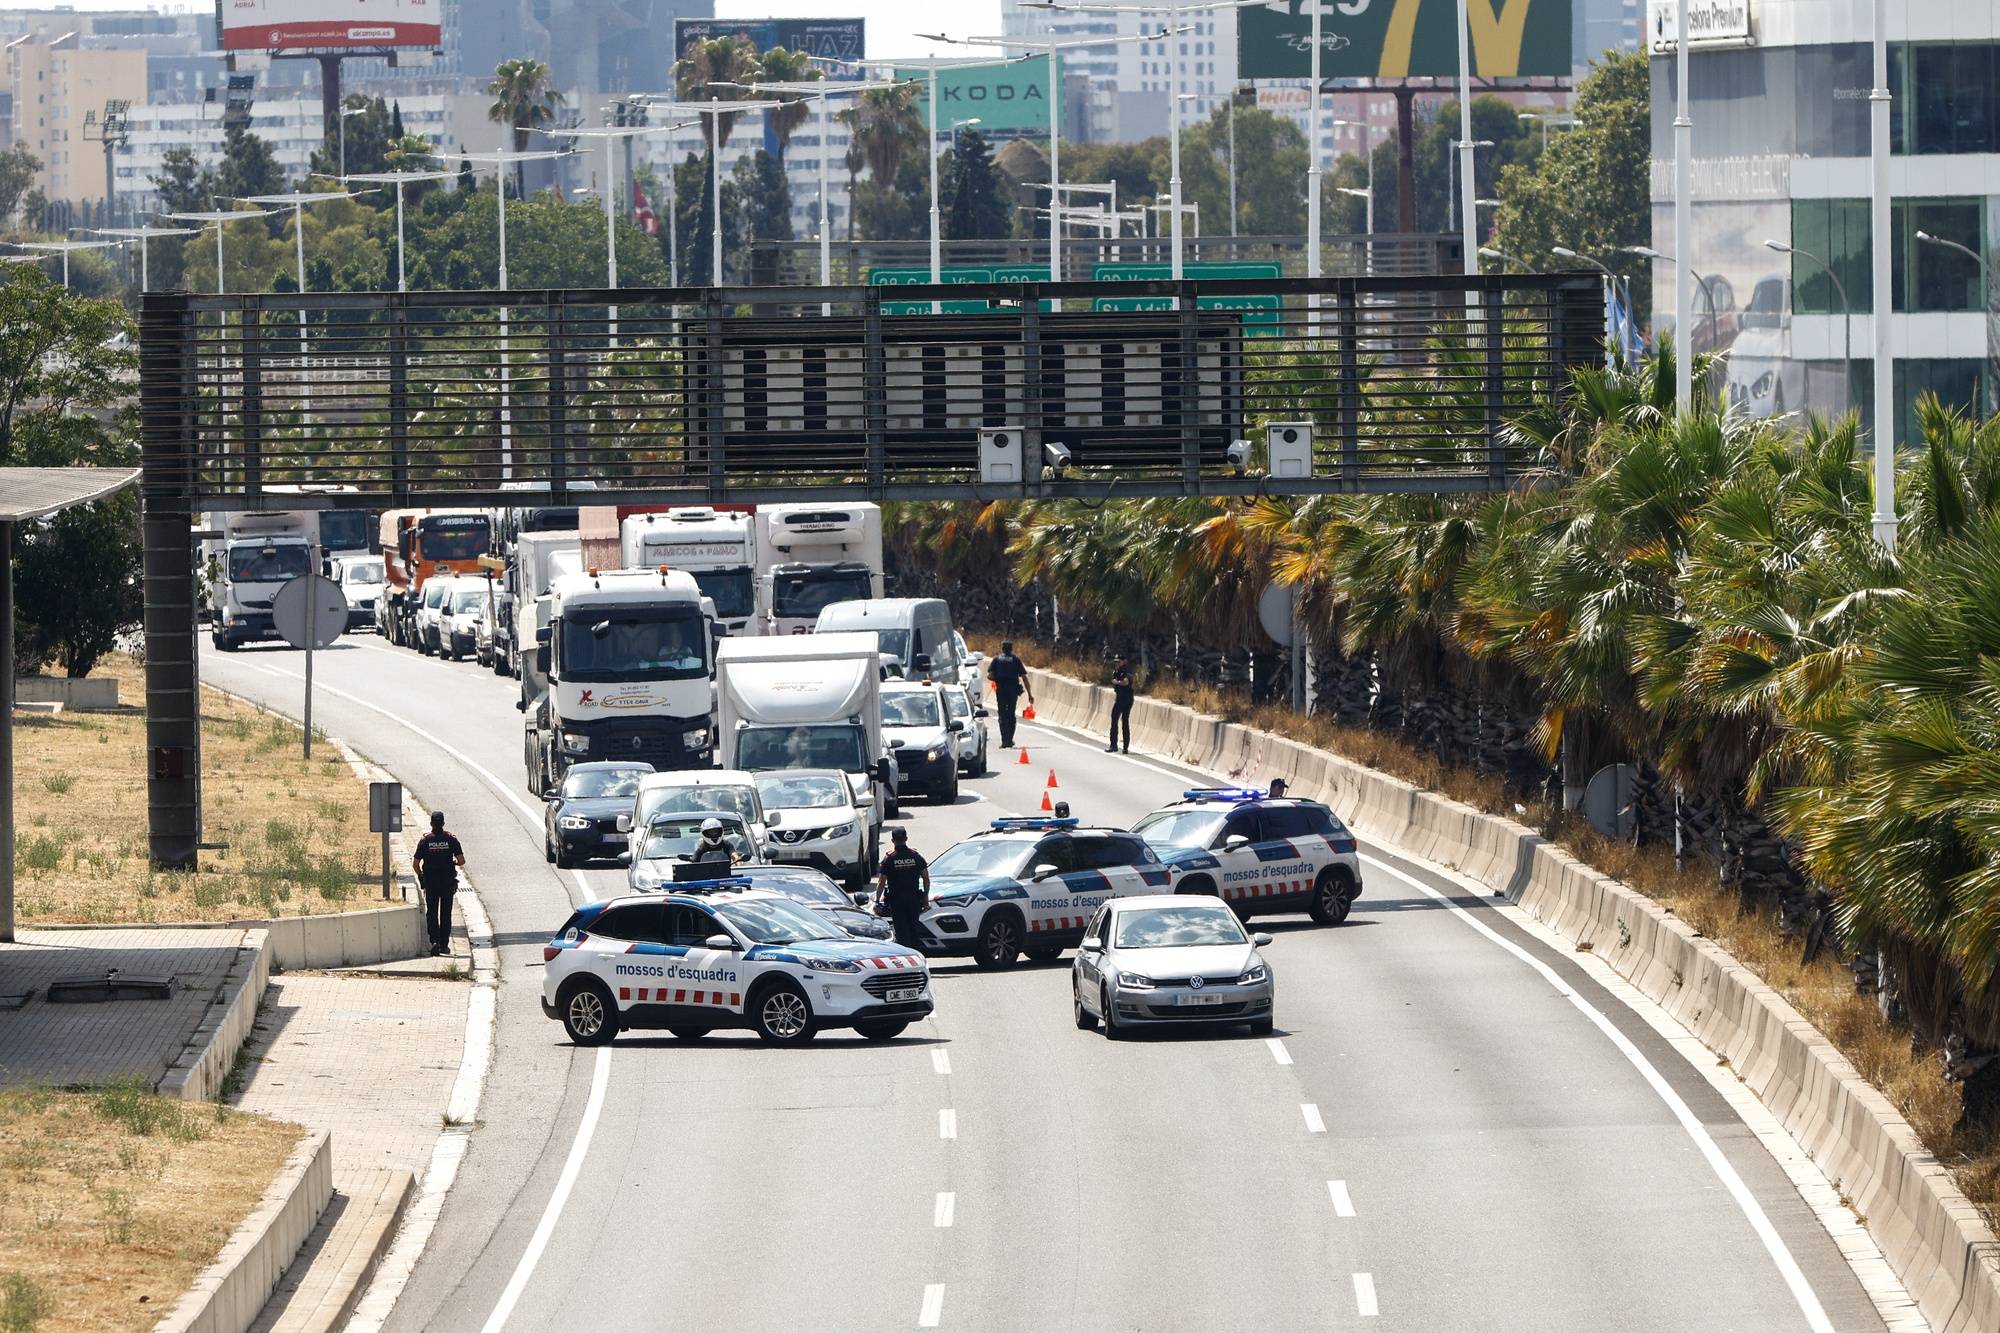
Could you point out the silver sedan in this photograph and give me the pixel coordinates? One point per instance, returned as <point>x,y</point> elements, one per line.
<point>1166,960</point>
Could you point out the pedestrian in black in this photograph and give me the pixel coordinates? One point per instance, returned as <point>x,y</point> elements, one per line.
<point>437,859</point>
<point>905,886</point>
<point>1010,682</point>
<point>1121,704</point>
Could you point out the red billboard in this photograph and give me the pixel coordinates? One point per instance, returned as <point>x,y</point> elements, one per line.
<point>319,25</point>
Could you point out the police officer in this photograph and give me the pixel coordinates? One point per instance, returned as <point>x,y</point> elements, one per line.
<point>1121,704</point>
<point>1010,682</point>
<point>712,847</point>
<point>436,862</point>
<point>905,885</point>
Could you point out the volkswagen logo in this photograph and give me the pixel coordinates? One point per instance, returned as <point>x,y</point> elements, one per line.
<point>1195,983</point>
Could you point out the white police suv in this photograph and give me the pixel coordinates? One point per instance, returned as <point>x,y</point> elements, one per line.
<point>1258,853</point>
<point>719,954</point>
<point>1030,886</point>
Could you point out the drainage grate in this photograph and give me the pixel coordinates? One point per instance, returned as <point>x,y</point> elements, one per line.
<point>113,985</point>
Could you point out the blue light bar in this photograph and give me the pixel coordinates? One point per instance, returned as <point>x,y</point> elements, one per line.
<point>1033,822</point>
<point>1222,794</point>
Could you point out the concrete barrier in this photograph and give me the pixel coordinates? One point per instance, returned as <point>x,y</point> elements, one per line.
<point>210,1053</point>
<point>335,939</point>
<point>92,694</point>
<point>1928,1231</point>
<point>228,1295</point>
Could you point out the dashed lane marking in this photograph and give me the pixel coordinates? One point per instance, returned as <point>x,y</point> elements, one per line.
<point>940,1060</point>
<point>945,1210</point>
<point>947,1124</point>
<point>1278,1051</point>
<point>1314,1125</point>
<point>1343,1206</point>
<point>933,1306</point>
<point>1364,1295</point>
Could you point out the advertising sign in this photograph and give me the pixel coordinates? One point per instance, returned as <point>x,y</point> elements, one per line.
<point>325,25</point>
<point>829,39</point>
<point>1710,22</point>
<point>1398,39</point>
<point>1284,99</point>
<point>1008,98</point>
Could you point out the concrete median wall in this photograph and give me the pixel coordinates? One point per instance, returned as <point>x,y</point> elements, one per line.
<point>1928,1231</point>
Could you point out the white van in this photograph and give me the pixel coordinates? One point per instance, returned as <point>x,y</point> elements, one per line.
<point>915,632</point>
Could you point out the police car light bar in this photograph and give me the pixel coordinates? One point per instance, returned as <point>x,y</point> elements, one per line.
<point>1222,794</point>
<point>1030,822</point>
<point>695,876</point>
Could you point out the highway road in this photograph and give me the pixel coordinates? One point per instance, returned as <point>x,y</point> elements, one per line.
<point>1455,1128</point>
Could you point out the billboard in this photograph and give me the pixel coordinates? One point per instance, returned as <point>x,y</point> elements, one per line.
<point>1008,99</point>
<point>329,25</point>
<point>1398,39</point>
<point>829,39</point>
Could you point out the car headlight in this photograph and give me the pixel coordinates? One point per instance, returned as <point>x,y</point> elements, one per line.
<point>694,739</point>
<point>1258,972</point>
<point>837,831</point>
<point>1133,981</point>
<point>936,752</point>
<point>956,900</point>
<point>573,822</point>
<point>832,965</point>
<point>575,743</point>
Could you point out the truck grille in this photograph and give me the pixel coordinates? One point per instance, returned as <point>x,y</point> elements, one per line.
<point>649,741</point>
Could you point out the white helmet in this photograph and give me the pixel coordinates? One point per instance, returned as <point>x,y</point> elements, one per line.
<point>711,825</point>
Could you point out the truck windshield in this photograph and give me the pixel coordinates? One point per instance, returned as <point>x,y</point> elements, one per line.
<point>255,563</point>
<point>633,643</point>
<point>732,589</point>
<point>344,530</point>
<point>454,538</point>
<point>840,746</point>
<point>809,592</point>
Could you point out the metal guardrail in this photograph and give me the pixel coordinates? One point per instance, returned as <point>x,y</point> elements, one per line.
<point>760,394</point>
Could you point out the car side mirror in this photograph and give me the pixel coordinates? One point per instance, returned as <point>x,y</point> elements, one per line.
<point>1091,944</point>
<point>1044,870</point>
<point>720,942</point>
<point>624,823</point>
<point>1233,841</point>
<point>860,899</point>
<point>551,794</point>
<point>865,801</point>
<point>542,635</point>
<point>773,819</point>
<point>624,858</point>
<point>1260,939</point>
<point>980,712</point>
<point>884,773</point>
<point>542,659</point>
<point>896,743</point>
<point>921,663</point>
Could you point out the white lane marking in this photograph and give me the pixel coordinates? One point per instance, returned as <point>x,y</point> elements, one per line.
<point>1314,1125</point>
<point>945,1210</point>
<point>1753,1212</point>
<point>941,1060</point>
<point>544,1229</point>
<point>1278,1051</point>
<point>947,1124</point>
<point>532,815</point>
<point>1343,1206</point>
<point>1364,1295</point>
<point>933,1308</point>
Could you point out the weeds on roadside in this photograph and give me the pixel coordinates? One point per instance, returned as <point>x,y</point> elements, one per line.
<point>23,1304</point>
<point>130,1103</point>
<point>58,784</point>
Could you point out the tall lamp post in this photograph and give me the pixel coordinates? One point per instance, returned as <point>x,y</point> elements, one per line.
<point>1683,214</point>
<point>63,248</point>
<point>142,235</point>
<point>1367,196</point>
<point>1708,295</point>
<point>219,219</point>
<point>298,201</point>
<point>1985,294</point>
<point>345,112</point>
<point>714,108</point>
<point>398,179</point>
<point>1368,156</point>
<point>613,136</point>
<point>1846,310</point>
<point>1884,301</point>
<point>1609,281</point>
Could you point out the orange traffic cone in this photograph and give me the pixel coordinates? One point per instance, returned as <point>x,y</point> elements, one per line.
<point>1052,779</point>
<point>1024,754</point>
<point>1028,713</point>
<point>1045,802</point>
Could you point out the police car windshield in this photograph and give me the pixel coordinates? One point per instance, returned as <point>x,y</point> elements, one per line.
<point>266,564</point>
<point>804,793</point>
<point>633,644</point>
<point>1180,828</point>
<point>586,783</point>
<point>1176,927</point>
<point>918,708</point>
<point>761,749</point>
<point>774,921</point>
<point>997,858</point>
<point>718,799</point>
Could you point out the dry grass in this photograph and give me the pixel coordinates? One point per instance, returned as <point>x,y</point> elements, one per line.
<point>297,832</point>
<point>112,1200</point>
<point>1823,991</point>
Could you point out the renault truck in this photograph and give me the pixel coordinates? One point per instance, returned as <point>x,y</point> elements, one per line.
<point>719,549</point>
<point>810,556</point>
<point>255,554</point>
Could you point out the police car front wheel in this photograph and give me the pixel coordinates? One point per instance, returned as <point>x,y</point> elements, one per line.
<point>999,940</point>
<point>783,1014</point>
<point>588,1014</point>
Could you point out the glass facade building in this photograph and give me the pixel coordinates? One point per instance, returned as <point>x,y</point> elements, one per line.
<point>1781,148</point>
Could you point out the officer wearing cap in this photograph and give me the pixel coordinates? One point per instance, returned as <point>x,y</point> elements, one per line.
<point>436,862</point>
<point>905,886</point>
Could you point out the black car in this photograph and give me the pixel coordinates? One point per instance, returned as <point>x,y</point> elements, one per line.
<point>580,818</point>
<point>812,888</point>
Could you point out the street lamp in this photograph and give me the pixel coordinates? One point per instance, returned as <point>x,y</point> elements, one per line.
<point>142,235</point>
<point>1708,294</point>
<point>714,108</point>
<point>1488,252</point>
<point>1547,118</point>
<point>298,201</point>
<point>1611,281</point>
<point>398,179</point>
<point>345,112</point>
<point>63,248</point>
<point>1463,181</point>
<point>1846,312</point>
<point>219,219</point>
<point>1985,293</point>
<point>612,137</point>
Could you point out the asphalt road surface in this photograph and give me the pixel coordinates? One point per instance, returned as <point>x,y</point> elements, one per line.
<point>1438,1138</point>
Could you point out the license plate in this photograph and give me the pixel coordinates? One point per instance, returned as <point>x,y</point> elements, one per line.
<point>618,838</point>
<point>1200,999</point>
<point>905,994</point>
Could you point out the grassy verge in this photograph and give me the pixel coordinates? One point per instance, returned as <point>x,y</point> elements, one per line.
<point>112,1200</point>
<point>297,831</point>
<point>1822,991</point>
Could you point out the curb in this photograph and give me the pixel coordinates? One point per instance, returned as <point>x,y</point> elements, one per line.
<point>1932,1236</point>
<point>210,1053</point>
<point>329,939</point>
<point>227,1296</point>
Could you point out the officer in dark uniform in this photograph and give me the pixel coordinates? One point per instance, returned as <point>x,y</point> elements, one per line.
<point>436,860</point>
<point>905,885</point>
<point>1010,682</point>
<point>1121,705</point>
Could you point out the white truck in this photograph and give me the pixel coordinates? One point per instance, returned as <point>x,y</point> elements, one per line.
<point>810,556</point>
<point>628,658</point>
<point>807,702</point>
<point>719,549</point>
<point>538,560</point>
<point>256,553</point>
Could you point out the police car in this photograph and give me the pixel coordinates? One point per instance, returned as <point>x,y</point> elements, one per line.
<point>1030,886</point>
<point>720,954</point>
<point>1258,853</point>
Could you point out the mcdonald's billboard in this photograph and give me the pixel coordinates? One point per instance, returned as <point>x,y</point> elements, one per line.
<point>1397,39</point>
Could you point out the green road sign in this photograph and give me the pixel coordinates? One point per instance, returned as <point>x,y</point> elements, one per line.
<point>1262,317</point>
<point>1397,39</point>
<point>1007,97</point>
<point>953,273</point>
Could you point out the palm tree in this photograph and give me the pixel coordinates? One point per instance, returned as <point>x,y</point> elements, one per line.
<point>708,70</point>
<point>885,126</point>
<point>781,66</point>
<point>525,98</point>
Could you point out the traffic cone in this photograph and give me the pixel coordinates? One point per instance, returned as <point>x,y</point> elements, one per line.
<point>1046,805</point>
<point>1052,779</point>
<point>1024,754</point>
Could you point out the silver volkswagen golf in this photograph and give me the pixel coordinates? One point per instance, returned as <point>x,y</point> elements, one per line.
<point>1164,960</point>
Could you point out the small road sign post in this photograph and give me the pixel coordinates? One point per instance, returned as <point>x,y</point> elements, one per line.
<point>385,816</point>
<point>309,612</point>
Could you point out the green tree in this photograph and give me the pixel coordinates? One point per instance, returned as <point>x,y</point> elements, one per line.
<point>78,586</point>
<point>525,98</point>
<point>693,207</point>
<point>369,135</point>
<point>974,206</point>
<point>1591,191</point>
<point>248,166</point>
<point>778,65</point>
<point>18,169</point>
<point>66,367</point>
<point>1270,165</point>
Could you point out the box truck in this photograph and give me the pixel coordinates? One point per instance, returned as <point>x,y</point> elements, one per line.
<point>810,556</point>
<point>719,549</point>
